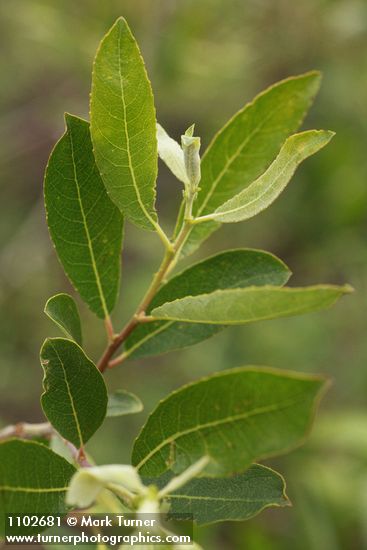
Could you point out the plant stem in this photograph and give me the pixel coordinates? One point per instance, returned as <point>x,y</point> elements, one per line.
<point>139,315</point>
<point>78,454</point>
<point>109,329</point>
<point>173,249</point>
<point>168,262</point>
<point>161,234</point>
<point>26,430</point>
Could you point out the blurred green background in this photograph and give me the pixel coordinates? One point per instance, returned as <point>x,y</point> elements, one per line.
<point>206,59</point>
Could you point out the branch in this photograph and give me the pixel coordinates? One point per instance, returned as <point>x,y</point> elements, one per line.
<point>168,262</point>
<point>26,430</point>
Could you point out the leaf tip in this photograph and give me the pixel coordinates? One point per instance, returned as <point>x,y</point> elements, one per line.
<point>286,502</point>
<point>314,73</point>
<point>329,134</point>
<point>71,119</point>
<point>120,24</point>
<point>190,131</point>
<point>315,78</point>
<point>120,20</point>
<point>347,289</point>
<point>68,117</point>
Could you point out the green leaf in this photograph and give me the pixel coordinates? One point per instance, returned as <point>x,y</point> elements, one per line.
<point>262,193</point>
<point>247,144</point>
<point>235,417</point>
<point>122,402</point>
<point>234,498</point>
<point>84,224</point>
<point>62,309</point>
<point>230,269</point>
<point>75,396</point>
<point>123,125</point>
<point>33,479</point>
<point>246,305</point>
<point>171,153</point>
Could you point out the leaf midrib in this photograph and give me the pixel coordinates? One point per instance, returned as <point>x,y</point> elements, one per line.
<point>168,316</point>
<point>131,168</point>
<point>215,499</point>
<point>149,336</point>
<point>229,162</point>
<point>258,198</point>
<point>70,395</point>
<point>85,225</point>
<point>229,419</point>
<point>11,489</point>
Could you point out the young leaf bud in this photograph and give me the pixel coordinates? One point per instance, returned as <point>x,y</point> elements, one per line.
<point>191,150</point>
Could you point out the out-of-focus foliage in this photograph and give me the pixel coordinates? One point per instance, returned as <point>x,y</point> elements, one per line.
<point>205,60</point>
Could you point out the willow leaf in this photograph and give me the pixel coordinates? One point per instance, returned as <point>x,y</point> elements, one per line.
<point>75,395</point>
<point>122,402</point>
<point>235,417</point>
<point>171,153</point>
<point>242,150</point>
<point>230,269</point>
<point>62,310</point>
<point>33,479</point>
<point>262,193</point>
<point>123,125</point>
<point>85,226</point>
<point>247,305</point>
<point>234,498</point>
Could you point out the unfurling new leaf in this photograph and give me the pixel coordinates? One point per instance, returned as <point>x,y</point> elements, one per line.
<point>172,154</point>
<point>262,193</point>
<point>88,483</point>
<point>242,150</point>
<point>191,150</point>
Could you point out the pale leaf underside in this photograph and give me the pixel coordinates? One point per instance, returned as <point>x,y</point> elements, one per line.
<point>243,149</point>
<point>230,269</point>
<point>264,191</point>
<point>246,305</point>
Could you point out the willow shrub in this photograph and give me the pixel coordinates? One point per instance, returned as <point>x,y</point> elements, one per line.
<point>203,442</point>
